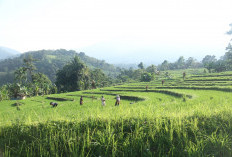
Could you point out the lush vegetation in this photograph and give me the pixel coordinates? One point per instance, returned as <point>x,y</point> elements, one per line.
<point>49,62</point>
<point>182,117</point>
<point>72,77</point>
<point>27,82</point>
<point>77,76</point>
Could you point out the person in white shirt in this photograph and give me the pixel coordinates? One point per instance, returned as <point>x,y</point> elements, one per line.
<point>117,100</point>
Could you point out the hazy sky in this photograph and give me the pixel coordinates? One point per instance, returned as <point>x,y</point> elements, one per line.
<point>130,30</point>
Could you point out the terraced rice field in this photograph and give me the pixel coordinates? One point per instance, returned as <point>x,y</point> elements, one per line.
<point>190,117</point>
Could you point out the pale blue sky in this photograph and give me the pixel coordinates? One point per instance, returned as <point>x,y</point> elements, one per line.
<point>133,30</point>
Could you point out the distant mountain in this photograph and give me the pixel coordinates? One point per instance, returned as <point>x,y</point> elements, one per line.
<point>49,62</point>
<point>7,52</point>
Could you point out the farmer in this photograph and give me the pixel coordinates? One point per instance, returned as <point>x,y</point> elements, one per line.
<point>146,87</point>
<point>103,101</point>
<point>54,104</point>
<point>117,100</point>
<point>81,100</point>
<point>162,82</point>
<point>184,75</point>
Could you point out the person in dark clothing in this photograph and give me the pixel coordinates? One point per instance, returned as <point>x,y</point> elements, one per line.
<point>81,100</point>
<point>54,104</point>
<point>184,75</point>
<point>162,82</point>
<point>103,101</point>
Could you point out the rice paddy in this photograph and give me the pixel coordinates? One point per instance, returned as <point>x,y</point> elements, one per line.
<point>190,117</point>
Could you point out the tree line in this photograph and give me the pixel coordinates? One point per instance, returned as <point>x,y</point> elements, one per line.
<point>49,62</point>
<point>209,62</point>
<point>73,76</point>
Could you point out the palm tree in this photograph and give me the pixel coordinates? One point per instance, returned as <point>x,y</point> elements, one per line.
<point>20,75</point>
<point>28,65</point>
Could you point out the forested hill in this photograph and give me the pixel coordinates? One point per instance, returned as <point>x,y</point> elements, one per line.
<point>48,62</point>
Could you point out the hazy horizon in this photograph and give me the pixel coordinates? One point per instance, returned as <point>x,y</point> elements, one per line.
<point>118,31</point>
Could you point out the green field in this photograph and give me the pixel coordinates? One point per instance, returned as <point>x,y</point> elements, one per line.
<point>191,117</point>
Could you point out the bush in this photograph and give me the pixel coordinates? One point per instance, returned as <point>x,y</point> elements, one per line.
<point>146,77</point>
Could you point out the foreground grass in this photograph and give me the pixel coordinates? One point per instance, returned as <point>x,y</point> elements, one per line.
<point>192,136</point>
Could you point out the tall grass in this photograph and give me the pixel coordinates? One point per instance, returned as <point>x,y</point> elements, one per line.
<point>161,136</point>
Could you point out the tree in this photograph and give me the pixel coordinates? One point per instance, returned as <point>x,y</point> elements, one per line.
<point>29,66</point>
<point>228,56</point>
<point>20,75</point>
<point>229,47</point>
<point>146,77</point>
<point>137,74</point>
<point>99,77</point>
<point>4,93</point>
<point>38,82</point>
<point>140,65</point>
<point>164,66</point>
<point>16,90</point>
<point>26,71</point>
<point>172,66</point>
<point>72,76</point>
<point>180,63</point>
<point>190,62</point>
<point>209,62</point>
<point>41,83</point>
<point>220,66</point>
<point>228,60</point>
<point>152,69</point>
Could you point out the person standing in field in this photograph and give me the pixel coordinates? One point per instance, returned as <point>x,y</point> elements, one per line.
<point>117,100</point>
<point>103,101</point>
<point>162,82</point>
<point>184,75</point>
<point>81,100</point>
<point>146,87</point>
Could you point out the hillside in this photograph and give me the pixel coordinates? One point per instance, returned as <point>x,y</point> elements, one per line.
<point>7,52</point>
<point>48,62</point>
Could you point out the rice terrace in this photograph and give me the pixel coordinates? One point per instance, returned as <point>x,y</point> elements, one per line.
<point>182,117</point>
